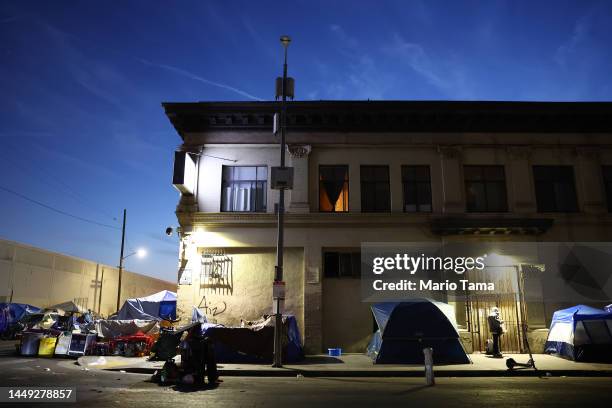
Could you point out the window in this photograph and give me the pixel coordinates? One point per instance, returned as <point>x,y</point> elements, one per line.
<point>416,183</point>
<point>607,179</point>
<point>375,192</point>
<point>485,189</point>
<point>333,188</point>
<point>342,264</point>
<point>244,188</point>
<point>555,188</point>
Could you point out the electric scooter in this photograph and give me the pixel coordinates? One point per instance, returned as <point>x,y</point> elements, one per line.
<point>512,363</point>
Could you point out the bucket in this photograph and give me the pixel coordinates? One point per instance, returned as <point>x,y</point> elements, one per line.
<point>46,347</point>
<point>334,352</point>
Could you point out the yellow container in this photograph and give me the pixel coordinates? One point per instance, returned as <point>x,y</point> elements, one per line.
<point>47,346</point>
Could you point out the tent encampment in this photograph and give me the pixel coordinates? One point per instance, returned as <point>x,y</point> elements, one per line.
<point>581,333</point>
<point>158,306</point>
<point>67,307</point>
<point>406,328</point>
<point>10,313</point>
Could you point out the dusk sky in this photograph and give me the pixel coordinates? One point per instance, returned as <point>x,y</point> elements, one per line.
<point>82,129</point>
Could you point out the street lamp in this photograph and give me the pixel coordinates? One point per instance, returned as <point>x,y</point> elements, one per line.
<point>278,275</point>
<point>141,253</point>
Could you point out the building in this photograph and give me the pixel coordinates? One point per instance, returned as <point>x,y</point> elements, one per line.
<point>384,171</point>
<point>42,278</point>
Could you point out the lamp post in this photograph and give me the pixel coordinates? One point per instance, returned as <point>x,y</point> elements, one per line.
<point>278,275</point>
<point>140,253</point>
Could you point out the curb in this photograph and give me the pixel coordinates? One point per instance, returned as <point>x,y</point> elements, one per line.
<point>391,373</point>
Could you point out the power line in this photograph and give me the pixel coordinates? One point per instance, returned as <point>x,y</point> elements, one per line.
<point>57,210</point>
<point>49,176</point>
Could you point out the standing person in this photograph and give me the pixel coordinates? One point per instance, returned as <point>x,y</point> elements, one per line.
<point>496,327</point>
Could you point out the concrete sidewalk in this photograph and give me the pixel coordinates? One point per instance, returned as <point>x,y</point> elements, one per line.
<point>359,365</point>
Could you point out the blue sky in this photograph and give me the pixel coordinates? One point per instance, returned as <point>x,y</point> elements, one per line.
<point>82,129</point>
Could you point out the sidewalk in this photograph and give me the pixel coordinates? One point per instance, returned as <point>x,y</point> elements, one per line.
<point>359,365</point>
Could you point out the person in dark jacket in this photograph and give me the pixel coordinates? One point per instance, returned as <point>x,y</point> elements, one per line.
<point>496,327</point>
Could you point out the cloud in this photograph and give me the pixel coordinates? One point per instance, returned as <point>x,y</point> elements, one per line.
<point>362,78</point>
<point>195,77</point>
<point>97,77</point>
<point>445,73</point>
<point>580,32</point>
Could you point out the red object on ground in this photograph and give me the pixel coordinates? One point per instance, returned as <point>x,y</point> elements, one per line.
<point>134,345</point>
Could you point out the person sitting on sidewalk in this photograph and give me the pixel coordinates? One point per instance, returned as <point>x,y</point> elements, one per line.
<point>496,327</point>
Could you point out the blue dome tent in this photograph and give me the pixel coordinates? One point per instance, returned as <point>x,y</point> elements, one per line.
<point>161,305</point>
<point>581,333</point>
<point>406,328</point>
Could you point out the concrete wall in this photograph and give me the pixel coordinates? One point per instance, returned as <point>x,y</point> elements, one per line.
<point>43,278</point>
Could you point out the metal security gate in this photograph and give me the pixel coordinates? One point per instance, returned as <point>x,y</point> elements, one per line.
<point>506,298</point>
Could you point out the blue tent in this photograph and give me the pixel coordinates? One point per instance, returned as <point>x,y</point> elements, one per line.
<point>406,328</point>
<point>581,333</point>
<point>12,312</point>
<point>161,305</point>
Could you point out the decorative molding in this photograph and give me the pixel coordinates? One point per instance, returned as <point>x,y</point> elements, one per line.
<point>299,151</point>
<point>519,152</point>
<point>588,152</point>
<point>450,152</point>
<point>396,116</point>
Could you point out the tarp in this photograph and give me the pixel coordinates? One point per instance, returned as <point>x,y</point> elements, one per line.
<point>406,328</point>
<point>255,343</point>
<point>115,328</point>
<point>198,316</point>
<point>161,305</point>
<point>10,313</point>
<point>581,333</point>
<point>67,307</point>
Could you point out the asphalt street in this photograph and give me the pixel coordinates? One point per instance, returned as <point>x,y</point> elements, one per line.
<point>108,389</point>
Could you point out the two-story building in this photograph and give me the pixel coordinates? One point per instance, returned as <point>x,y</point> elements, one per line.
<point>365,171</point>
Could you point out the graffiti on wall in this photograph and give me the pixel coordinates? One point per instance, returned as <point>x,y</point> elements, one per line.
<point>212,309</point>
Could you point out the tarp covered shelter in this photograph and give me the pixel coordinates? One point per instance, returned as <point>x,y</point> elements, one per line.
<point>255,342</point>
<point>10,313</point>
<point>67,307</point>
<point>406,328</point>
<point>114,328</point>
<point>581,333</point>
<point>158,306</point>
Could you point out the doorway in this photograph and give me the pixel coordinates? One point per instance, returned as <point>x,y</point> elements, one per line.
<point>506,298</point>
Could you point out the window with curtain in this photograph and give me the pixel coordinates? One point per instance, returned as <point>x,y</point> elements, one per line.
<point>333,188</point>
<point>375,190</point>
<point>555,188</point>
<point>485,189</point>
<point>416,183</point>
<point>244,188</point>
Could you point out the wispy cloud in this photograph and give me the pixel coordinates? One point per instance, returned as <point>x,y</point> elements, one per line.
<point>362,78</point>
<point>579,34</point>
<point>445,73</point>
<point>195,77</point>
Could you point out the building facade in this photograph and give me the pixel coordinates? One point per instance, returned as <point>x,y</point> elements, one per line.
<point>376,172</point>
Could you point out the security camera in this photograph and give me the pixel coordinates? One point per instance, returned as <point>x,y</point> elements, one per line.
<point>169,231</point>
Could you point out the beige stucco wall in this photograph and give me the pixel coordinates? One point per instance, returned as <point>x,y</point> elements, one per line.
<point>43,278</point>
<point>250,295</point>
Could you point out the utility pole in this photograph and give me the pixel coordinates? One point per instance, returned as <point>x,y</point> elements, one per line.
<point>278,276</point>
<point>121,260</point>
